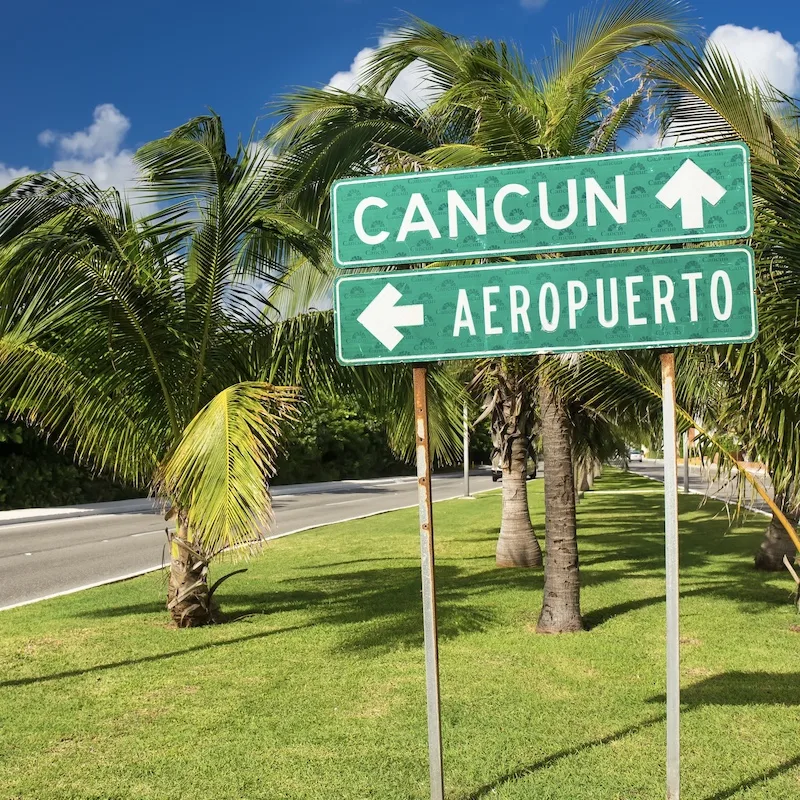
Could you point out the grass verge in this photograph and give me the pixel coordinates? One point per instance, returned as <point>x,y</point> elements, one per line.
<point>316,690</point>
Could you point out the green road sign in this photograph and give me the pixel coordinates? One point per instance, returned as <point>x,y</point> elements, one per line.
<point>586,203</point>
<point>649,299</point>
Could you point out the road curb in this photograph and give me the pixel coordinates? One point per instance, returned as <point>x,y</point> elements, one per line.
<point>141,505</point>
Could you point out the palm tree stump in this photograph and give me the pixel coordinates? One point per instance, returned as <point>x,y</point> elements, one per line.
<point>776,542</point>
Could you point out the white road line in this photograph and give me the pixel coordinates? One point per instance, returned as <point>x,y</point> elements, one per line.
<point>145,533</point>
<point>130,575</point>
<point>81,588</point>
<point>346,502</point>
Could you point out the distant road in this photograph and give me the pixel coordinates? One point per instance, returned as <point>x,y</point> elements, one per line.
<point>46,552</point>
<point>703,480</point>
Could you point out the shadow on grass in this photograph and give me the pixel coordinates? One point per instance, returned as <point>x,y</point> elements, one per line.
<point>74,673</point>
<point>548,761</point>
<point>599,616</point>
<point>753,599</point>
<point>762,777</point>
<point>376,601</point>
<point>380,609</point>
<point>784,681</point>
<point>275,602</point>
<point>741,689</point>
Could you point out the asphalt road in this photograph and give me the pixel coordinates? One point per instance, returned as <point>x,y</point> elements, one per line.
<point>706,481</point>
<point>45,557</point>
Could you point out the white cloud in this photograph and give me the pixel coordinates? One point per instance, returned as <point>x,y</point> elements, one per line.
<point>412,85</point>
<point>647,140</point>
<point>8,174</point>
<point>102,138</point>
<point>114,169</point>
<point>533,5</point>
<point>767,55</point>
<point>95,151</point>
<point>46,138</point>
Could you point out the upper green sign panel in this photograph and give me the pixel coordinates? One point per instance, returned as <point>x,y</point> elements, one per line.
<point>591,202</point>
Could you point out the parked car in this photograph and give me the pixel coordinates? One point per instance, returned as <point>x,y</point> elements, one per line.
<point>531,467</point>
<point>634,455</point>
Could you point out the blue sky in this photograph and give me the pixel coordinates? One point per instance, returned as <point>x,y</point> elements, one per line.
<point>87,82</point>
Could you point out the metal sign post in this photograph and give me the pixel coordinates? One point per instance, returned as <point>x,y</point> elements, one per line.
<point>428,580</point>
<point>671,554</point>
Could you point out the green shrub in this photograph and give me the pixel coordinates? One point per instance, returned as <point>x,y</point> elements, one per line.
<point>34,474</point>
<point>335,441</point>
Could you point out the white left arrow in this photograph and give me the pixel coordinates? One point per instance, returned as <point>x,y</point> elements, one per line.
<point>690,186</point>
<point>382,317</point>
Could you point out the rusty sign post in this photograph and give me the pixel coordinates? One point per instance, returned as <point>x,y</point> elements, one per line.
<point>428,580</point>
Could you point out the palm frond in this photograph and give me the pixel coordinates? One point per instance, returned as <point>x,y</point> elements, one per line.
<point>601,34</point>
<point>706,96</point>
<point>218,473</point>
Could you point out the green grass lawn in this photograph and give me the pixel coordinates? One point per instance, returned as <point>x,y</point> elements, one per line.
<point>315,688</point>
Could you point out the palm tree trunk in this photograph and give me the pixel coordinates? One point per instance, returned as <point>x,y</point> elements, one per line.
<point>776,542</point>
<point>188,599</point>
<point>517,545</point>
<point>561,606</point>
<point>582,485</point>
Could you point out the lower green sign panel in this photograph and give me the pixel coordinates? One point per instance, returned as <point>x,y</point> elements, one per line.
<point>651,299</point>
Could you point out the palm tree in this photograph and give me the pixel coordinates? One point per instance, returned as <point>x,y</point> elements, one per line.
<point>706,96</point>
<point>490,107</point>
<point>509,405</point>
<point>132,340</point>
<point>144,344</point>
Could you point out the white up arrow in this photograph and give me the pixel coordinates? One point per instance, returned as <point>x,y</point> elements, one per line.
<point>382,317</point>
<point>690,185</point>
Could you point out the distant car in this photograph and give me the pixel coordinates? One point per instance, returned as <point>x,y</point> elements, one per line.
<point>635,455</point>
<point>497,469</point>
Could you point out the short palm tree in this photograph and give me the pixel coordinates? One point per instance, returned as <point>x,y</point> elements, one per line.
<point>509,404</point>
<point>134,341</point>
<point>490,107</point>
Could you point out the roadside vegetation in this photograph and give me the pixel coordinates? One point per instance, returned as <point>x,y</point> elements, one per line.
<point>315,689</point>
<point>34,473</point>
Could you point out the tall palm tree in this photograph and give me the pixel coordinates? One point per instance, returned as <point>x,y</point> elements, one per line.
<point>705,96</point>
<point>490,107</point>
<point>132,339</point>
